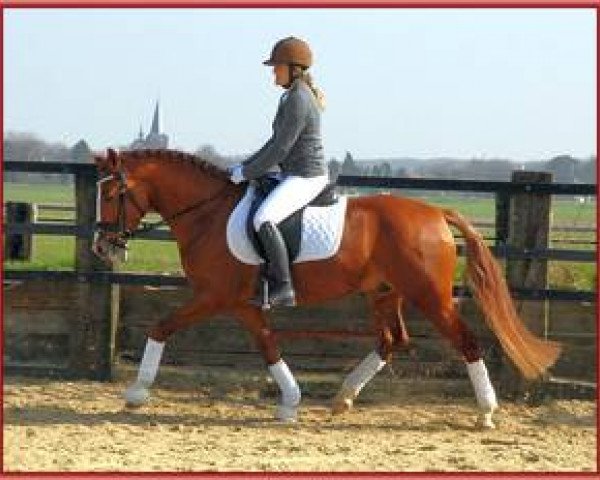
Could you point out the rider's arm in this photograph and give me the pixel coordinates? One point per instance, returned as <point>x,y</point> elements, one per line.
<point>257,154</point>
<point>286,132</point>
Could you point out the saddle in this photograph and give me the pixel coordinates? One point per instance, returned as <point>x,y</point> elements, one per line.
<point>291,227</point>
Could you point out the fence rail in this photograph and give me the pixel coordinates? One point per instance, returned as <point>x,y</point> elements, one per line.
<point>43,208</point>
<point>145,279</point>
<point>358,181</point>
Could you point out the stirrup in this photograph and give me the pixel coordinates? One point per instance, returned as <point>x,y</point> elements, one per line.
<point>261,299</point>
<point>265,301</point>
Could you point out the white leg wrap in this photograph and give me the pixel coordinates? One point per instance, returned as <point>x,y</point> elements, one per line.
<point>363,373</point>
<point>137,393</point>
<point>150,361</point>
<point>290,392</point>
<point>484,391</point>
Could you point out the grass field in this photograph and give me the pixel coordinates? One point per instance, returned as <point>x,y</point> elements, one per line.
<point>566,212</point>
<point>53,252</point>
<point>47,193</point>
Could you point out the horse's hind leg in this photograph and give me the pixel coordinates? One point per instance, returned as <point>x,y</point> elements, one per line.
<point>386,315</point>
<point>451,326</point>
<point>425,280</point>
<point>200,307</point>
<point>389,323</point>
<point>255,321</point>
<point>385,308</point>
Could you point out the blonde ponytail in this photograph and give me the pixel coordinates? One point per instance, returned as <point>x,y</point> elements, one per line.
<point>306,77</point>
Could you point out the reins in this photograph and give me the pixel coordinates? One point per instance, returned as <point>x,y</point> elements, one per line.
<point>120,227</point>
<point>148,227</point>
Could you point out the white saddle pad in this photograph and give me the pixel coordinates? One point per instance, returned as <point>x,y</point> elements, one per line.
<point>322,229</point>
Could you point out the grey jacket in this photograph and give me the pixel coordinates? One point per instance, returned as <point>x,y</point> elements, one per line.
<point>296,141</point>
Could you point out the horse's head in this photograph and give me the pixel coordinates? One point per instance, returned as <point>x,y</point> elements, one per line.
<point>121,202</point>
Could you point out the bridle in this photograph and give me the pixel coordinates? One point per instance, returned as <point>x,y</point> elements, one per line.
<point>119,226</point>
<point>124,193</point>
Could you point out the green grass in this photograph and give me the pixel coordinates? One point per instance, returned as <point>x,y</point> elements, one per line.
<point>567,212</point>
<point>50,252</point>
<point>571,212</point>
<point>53,252</point>
<point>471,208</point>
<point>47,193</point>
<point>153,256</point>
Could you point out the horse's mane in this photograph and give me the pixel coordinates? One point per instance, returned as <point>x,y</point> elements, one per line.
<point>202,164</point>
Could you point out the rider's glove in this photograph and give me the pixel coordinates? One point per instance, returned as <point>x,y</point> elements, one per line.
<point>235,174</point>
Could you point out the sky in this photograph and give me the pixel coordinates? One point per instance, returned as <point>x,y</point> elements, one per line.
<point>469,83</point>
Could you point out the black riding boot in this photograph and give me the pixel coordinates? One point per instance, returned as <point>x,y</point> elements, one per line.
<point>280,288</point>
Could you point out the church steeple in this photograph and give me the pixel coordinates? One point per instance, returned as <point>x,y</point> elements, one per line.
<point>155,138</point>
<point>156,121</point>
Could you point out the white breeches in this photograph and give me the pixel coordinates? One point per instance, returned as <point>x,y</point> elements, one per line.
<point>290,195</point>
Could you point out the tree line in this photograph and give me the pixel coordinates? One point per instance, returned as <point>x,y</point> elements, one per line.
<point>565,168</point>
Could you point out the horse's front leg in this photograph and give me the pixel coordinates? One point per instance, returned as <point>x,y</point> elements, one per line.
<point>200,307</point>
<point>255,321</point>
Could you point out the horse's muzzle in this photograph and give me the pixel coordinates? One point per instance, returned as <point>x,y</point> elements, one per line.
<point>111,251</point>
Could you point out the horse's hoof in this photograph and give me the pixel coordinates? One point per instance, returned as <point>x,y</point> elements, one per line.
<point>286,414</point>
<point>341,405</point>
<point>136,396</point>
<point>485,422</point>
<point>487,425</point>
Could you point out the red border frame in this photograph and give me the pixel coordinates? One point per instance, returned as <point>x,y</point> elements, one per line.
<point>300,4</point>
<point>7,4</point>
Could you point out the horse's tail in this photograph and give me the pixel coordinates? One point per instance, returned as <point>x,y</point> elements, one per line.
<point>530,354</point>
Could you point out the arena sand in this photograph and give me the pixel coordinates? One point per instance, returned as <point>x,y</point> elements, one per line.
<point>220,419</point>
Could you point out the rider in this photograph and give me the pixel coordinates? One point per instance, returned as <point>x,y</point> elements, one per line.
<point>296,148</point>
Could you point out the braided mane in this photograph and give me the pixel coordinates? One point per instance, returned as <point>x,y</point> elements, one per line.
<point>177,156</point>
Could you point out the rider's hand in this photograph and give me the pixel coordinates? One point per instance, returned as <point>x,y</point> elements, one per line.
<point>235,174</point>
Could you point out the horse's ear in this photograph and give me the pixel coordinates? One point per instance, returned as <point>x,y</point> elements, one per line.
<point>100,162</point>
<point>113,161</point>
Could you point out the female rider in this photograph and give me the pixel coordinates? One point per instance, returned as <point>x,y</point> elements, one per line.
<point>296,148</point>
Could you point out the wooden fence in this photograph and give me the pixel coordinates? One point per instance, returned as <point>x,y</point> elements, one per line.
<point>77,323</point>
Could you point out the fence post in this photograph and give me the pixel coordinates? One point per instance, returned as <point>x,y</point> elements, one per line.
<point>19,246</point>
<point>502,218</point>
<point>528,228</point>
<point>93,330</point>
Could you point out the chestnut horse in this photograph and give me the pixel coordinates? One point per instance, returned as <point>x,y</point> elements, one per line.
<point>393,249</point>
